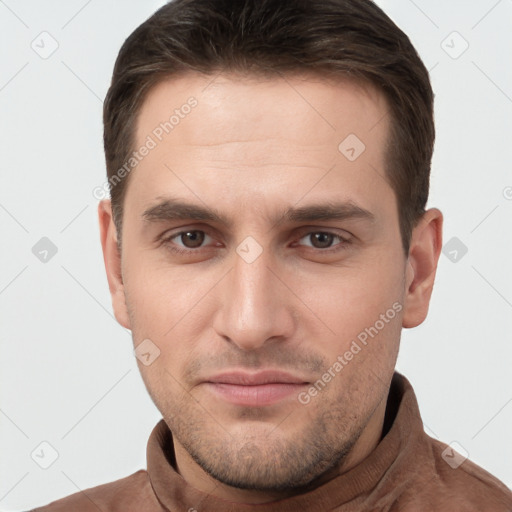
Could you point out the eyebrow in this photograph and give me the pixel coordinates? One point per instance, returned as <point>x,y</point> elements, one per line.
<point>169,209</point>
<point>328,211</point>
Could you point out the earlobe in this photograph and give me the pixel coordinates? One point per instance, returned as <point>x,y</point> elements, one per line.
<point>424,251</point>
<point>112,260</point>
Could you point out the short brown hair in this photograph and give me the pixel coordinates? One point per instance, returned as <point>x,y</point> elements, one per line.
<point>353,38</point>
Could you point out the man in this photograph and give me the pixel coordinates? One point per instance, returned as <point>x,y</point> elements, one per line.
<point>265,242</point>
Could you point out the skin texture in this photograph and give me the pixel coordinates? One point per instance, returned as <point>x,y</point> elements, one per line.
<point>251,149</point>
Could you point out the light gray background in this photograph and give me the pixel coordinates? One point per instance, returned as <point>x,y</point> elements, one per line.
<point>68,376</point>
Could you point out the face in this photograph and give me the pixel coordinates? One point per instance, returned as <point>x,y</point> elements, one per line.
<point>263,260</point>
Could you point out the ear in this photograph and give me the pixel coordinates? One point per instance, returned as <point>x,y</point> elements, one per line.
<point>424,251</point>
<point>112,260</point>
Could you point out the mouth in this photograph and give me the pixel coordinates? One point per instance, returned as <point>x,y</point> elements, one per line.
<point>255,389</point>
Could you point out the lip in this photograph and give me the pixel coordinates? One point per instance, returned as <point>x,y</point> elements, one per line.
<point>255,389</point>
<point>254,379</point>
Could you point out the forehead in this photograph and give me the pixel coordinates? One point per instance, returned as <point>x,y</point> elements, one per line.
<point>258,135</point>
<point>305,109</point>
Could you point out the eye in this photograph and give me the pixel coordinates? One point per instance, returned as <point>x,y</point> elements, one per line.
<point>191,239</point>
<point>322,240</point>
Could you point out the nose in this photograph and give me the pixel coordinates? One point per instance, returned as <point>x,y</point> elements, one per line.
<point>255,306</point>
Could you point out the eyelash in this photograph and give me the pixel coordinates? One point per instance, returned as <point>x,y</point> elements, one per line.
<point>342,245</point>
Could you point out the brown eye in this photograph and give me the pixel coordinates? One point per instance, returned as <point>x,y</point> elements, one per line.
<point>321,240</point>
<point>192,239</point>
<point>324,241</point>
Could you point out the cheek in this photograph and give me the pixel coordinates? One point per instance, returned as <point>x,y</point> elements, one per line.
<point>157,295</point>
<point>170,309</point>
<point>364,315</point>
<point>361,305</point>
